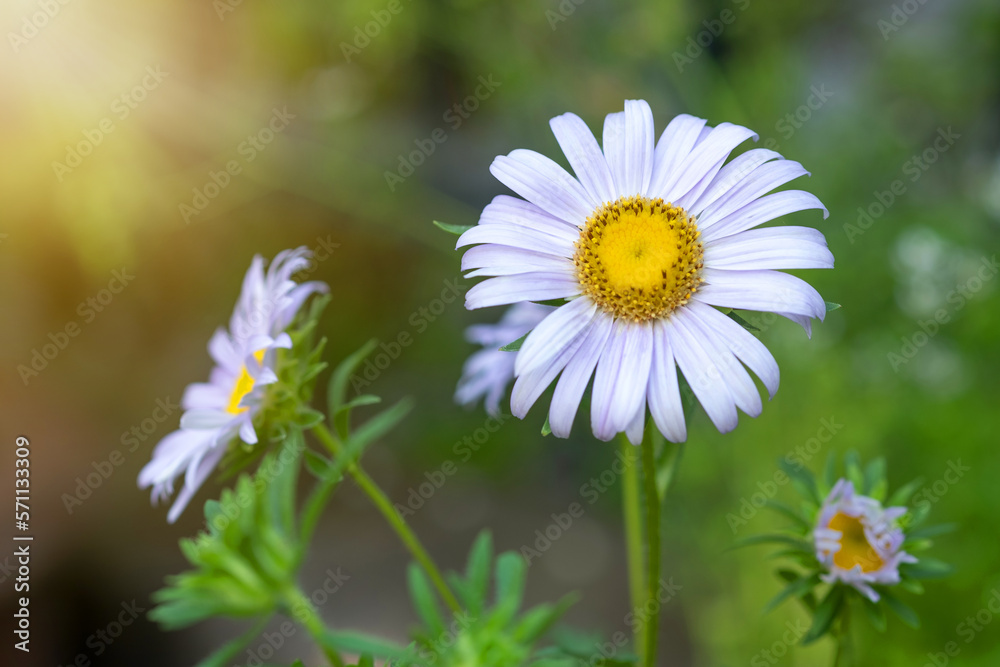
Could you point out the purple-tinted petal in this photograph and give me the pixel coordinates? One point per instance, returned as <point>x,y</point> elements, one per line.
<point>544,183</point>
<point>770,248</point>
<point>554,333</point>
<point>533,286</point>
<point>584,156</point>
<point>758,212</point>
<point>575,377</point>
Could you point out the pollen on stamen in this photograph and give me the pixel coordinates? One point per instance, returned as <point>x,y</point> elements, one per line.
<point>639,258</point>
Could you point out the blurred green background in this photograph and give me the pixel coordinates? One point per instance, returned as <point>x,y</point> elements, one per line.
<point>143,106</point>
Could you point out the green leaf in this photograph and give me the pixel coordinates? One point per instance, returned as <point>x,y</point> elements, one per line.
<point>317,464</point>
<point>875,613</point>
<point>742,322</point>
<point>477,572</point>
<point>854,474</point>
<point>796,543</point>
<point>903,493</point>
<point>830,305</point>
<point>457,230</point>
<point>511,571</point>
<point>802,480</point>
<point>824,615</point>
<point>307,417</point>
<point>797,588</point>
<point>360,401</point>
<point>423,600</point>
<point>875,481</point>
<point>789,512</point>
<point>515,346</point>
<point>227,653</point>
<point>829,478</point>
<point>901,609</point>
<point>539,620</point>
<point>546,429</point>
<point>336,391</point>
<point>931,531</point>
<point>380,424</point>
<point>356,642</point>
<point>926,568</point>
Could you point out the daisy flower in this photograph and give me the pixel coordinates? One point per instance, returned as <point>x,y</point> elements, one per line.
<point>218,410</point>
<point>487,372</point>
<point>644,244</point>
<point>858,541</point>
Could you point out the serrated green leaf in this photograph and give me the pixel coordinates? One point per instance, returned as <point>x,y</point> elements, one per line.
<point>457,230</point>
<point>423,600</point>
<point>824,615</point>
<point>514,346</point>
<point>901,609</point>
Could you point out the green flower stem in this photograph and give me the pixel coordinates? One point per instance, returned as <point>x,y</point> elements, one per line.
<point>844,657</point>
<point>398,524</point>
<point>302,610</point>
<point>653,548</point>
<point>631,509</point>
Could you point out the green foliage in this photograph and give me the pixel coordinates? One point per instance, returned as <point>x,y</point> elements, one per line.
<point>249,555</point>
<point>457,230</point>
<point>491,630</point>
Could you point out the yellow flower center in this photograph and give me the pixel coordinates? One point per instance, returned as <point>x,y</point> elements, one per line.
<point>244,385</point>
<point>639,258</point>
<point>854,546</point>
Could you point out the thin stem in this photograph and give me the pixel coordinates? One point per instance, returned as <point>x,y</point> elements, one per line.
<point>631,509</point>
<point>305,613</point>
<point>844,657</point>
<point>384,505</point>
<point>653,549</point>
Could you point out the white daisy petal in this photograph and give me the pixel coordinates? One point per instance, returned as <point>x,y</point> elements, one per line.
<point>247,433</point>
<point>629,147</point>
<point>204,469</point>
<point>675,144</point>
<point>554,333</point>
<point>498,260</point>
<point>584,156</point>
<point>507,210</point>
<point>620,381</point>
<point>727,178</point>
<point>768,291</point>
<point>758,212</point>
<point>532,286</point>
<point>545,184</point>
<point>742,343</point>
<point>575,377</point>
<point>704,377</point>
<point>738,381</point>
<point>663,392</point>
<point>762,180</point>
<point>704,159</point>
<point>637,426</point>
<point>771,248</point>
<point>525,238</point>
<point>205,419</point>
<point>530,385</point>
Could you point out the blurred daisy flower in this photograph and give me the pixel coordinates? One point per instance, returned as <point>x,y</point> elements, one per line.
<point>225,407</point>
<point>487,372</point>
<point>640,249</point>
<point>846,534</point>
<point>858,541</point>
